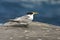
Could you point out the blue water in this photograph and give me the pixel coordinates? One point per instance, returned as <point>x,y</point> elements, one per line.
<point>48,13</point>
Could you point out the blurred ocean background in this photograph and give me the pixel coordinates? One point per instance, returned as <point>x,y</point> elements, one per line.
<point>49,10</point>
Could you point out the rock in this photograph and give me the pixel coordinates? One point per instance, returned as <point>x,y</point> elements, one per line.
<point>35,31</point>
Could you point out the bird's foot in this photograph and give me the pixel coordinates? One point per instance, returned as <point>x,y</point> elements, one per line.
<point>26,26</point>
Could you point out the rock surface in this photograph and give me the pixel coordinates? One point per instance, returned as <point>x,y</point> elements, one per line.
<point>35,31</point>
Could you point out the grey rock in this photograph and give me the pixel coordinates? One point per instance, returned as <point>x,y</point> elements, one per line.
<point>35,31</point>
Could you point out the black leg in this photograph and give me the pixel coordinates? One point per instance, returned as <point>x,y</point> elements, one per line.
<point>26,26</point>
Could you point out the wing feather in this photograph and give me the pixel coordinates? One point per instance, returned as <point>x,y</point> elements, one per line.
<point>20,19</point>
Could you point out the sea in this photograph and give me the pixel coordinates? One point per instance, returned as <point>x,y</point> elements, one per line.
<point>48,13</point>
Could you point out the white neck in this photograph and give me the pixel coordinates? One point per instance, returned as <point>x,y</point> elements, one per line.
<point>31,17</point>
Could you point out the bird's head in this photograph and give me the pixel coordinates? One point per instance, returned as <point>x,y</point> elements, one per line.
<point>32,13</point>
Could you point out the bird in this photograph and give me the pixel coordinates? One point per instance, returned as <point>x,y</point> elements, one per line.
<point>26,19</point>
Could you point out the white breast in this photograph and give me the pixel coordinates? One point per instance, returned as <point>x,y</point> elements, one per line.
<point>30,17</point>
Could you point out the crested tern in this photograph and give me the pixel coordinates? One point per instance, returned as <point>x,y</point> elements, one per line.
<point>27,19</point>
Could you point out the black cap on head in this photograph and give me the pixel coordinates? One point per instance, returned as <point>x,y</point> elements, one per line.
<point>30,13</point>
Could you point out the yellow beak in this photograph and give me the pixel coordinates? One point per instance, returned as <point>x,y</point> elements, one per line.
<point>35,12</point>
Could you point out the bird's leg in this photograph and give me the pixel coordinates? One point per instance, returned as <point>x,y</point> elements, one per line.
<point>26,26</point>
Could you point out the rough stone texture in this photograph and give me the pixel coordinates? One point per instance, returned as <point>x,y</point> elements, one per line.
<point>35,31</point>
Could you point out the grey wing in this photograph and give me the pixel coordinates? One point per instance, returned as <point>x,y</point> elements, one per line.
<point>24,17</point>
<point>23,20</point>
<point>20,19</point>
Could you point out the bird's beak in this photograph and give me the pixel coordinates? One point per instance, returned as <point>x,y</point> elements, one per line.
<point>35,12</point>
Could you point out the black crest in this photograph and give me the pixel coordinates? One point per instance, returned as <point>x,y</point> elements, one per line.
<point>30,13</point>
